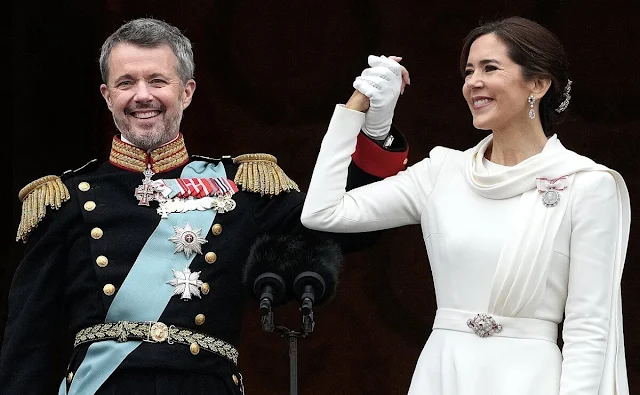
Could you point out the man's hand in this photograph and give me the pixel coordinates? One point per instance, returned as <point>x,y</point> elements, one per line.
<point>377,92</point>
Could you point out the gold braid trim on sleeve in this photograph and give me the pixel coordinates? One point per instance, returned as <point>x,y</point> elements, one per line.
<point>35,197</point>
<point>260,173</point>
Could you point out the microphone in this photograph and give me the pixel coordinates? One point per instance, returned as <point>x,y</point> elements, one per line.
<point>318,272</point>
<point>268,269</point>
<point>305,267</point>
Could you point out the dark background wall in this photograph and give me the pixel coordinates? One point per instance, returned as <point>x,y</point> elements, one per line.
<point>269,75</point>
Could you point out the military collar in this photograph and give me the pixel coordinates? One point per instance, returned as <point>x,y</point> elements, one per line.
<point>161,159</point>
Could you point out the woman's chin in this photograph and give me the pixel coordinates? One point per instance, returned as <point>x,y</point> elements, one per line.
<point>481,125</point>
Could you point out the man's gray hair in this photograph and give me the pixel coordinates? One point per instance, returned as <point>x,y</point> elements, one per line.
<point>150,33</point>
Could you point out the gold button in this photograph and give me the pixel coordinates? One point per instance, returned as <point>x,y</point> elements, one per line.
<point>210,257</point>
<point>102,261</point>
<point>194,348</point>
<point>216,229</point>
<point>96,233</point>
<point>205,288</point>
<point>200,319</point>
<point>69,377</point>
<point>89,205</point>
<point>235,378</point>
<point>109,289</point>
<point>84,186</point>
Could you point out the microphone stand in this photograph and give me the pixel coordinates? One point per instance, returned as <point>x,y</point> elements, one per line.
<point>292,337</point>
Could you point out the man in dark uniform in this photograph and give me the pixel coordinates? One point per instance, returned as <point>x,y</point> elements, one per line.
<point>145,251</point>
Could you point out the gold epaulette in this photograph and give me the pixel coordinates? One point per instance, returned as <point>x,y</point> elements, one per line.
<point>35,197</point>
<point>260,173</point>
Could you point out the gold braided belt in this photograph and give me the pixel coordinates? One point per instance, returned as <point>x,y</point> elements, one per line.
<point>156,332</point>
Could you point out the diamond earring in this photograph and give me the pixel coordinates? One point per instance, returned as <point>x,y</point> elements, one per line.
<point>532,100</point>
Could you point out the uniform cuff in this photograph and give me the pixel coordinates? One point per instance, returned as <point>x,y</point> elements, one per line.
<point>378,161</point>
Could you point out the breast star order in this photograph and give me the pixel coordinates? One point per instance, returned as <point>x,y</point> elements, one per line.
<point>188,240</point>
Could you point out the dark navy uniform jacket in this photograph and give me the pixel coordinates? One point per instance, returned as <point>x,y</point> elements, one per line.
<point>78,255</point>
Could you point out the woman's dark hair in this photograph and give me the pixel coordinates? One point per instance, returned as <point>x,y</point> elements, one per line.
<point>538,52</point>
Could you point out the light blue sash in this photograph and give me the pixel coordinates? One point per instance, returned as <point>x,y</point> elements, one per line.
<point>144,294</point>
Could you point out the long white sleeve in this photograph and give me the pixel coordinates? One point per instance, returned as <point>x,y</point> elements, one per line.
<point>392,202</point>
<point>591,271</point>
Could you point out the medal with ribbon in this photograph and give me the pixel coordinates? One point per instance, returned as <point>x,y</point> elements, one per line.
<point>187,194</point>
<point>550,189</point>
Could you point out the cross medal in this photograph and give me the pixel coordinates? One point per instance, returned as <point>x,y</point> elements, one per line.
<point>186,283</point>
<point>146,192</point>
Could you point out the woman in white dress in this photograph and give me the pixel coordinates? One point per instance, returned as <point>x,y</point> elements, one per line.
<point>521,233</point>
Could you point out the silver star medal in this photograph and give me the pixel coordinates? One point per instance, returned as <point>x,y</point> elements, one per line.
<point>186,283</point>
<point>223,204</point>
<point>188,240</point>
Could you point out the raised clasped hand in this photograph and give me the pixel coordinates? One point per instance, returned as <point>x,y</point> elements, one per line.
<point>382,83</point>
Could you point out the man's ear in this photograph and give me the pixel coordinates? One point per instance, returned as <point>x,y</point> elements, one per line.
<point>104,91</point>
<point>189,88</point>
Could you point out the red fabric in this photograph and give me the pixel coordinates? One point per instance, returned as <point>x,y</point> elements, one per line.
<point>201,187</point>
<point>375,160</point>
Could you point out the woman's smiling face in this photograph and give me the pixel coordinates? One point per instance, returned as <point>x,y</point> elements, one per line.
<point>494,87</point>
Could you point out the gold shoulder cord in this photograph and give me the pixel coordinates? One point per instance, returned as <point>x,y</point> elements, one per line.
<point>35,197</point>
<point>260,173</point>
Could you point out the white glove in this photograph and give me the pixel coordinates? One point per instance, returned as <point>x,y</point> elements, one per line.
<point>381,83</point>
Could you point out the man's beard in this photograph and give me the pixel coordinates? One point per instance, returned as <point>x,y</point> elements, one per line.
<point>160,135</point>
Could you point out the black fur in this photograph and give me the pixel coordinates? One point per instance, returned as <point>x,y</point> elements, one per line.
<point>322,255</point>
<point>288,256</point>
<point>275,254</point>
